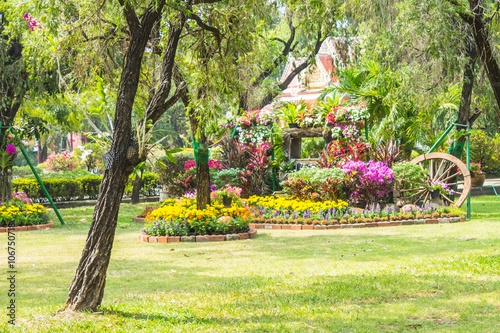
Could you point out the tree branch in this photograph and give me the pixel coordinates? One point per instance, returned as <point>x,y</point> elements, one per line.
<point>130,16</point>
<point>205,26</point>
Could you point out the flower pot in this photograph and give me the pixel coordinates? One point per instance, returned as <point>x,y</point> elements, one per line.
<point>227,201</point>
<point>293,125</point>
<point>478,180</point>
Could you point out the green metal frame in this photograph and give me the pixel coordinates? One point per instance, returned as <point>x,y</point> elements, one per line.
<point>37,177</point>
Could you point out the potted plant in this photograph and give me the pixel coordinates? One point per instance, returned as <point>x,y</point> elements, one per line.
<point>289,112</point>
<point>227,194</point>
<point>477,175</point>
<point>436,187</point>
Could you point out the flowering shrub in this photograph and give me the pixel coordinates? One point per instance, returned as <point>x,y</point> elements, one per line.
<point>62,162</point>
<point>367,182</point>
<point>228,191</point>
<point>255,118</point>
<point>347,128</point>
<point>18,210</point>
<point>475,169</point>
<point>314,183</point>
<point>180,217</point>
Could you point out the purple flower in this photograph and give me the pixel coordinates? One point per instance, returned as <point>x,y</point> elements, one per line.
<point>11,150</point>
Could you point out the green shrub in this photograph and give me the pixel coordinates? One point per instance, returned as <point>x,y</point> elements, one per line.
<point>485,150</point>
<point>226,176</point>
<point>409,176</point>
<point>167,175</point>
<point>25,171</point>
<point>77,173</point>
<point>150,184</point>
<point>59,189</point>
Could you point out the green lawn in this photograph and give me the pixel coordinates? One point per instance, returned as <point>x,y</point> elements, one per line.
<point>443,278</point>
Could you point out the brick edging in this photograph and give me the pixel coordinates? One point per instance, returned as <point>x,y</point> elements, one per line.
<point>282,226</point>
<point>138,219</point>
<point>199,239</point>
<point>28,227</point>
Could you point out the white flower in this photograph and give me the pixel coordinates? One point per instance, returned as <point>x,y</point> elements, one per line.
<point>229,115</point>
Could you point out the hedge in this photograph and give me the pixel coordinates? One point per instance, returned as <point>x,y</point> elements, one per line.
<point>150,185</point>
<point>82,188</point>
<point>60,189</point>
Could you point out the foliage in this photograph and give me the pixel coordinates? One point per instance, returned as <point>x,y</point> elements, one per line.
<point>314,183</point>
<point>180,217</point>
<point>386,153</point>
<point>25,171</point>
<point>485,150</point>
<point>367,182</point>
<point>226,177</point>
<point>167,174</point>
<point>289,111</point>
<point>60,189</point>
<point>409,176</point>
<point>76,173</point>
<point>90,155</point>
<point>62,162</point>
<point>19,210</point>
<point>150,184</point>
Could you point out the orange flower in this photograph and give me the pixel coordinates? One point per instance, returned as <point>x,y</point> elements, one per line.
<point>206,222</point>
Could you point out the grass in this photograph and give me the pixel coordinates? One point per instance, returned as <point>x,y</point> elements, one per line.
<point>439,278</point>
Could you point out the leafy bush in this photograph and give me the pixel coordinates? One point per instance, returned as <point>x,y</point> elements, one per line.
<point>60,189</point>
<point>485,150</point>
<point>25,171</point>
<point>226,177</point>
<point>409,176</point>
<point>167,175</point>
<point>314,183</point>
<point>76,173</point>
<point>150,184</point>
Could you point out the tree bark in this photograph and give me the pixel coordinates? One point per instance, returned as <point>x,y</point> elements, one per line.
<point>468,81</point>
<point>87,288</point>
<point>136,190</point>
<point>480,33</point>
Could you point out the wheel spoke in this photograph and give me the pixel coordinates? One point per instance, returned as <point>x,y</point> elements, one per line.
<point>444,196</point>
<point>446,172</point>
<point>431,169</point>
<point>455,175</point>
<point>439,168</point>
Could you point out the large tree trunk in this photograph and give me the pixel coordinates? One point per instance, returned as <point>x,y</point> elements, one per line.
<point>468,81</point>
<point>87,288</point>
<point>203,185</point>
<point>481,37</point>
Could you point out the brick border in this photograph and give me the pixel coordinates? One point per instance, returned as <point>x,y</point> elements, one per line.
<point>138,219</point>
<point>252,233</point>
<point>28,227</point>
<point>282,226</point>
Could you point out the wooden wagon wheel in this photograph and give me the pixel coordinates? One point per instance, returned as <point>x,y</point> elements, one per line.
<point>444,168</point>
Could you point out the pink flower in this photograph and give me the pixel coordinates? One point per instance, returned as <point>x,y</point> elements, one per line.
<point>11,149</point>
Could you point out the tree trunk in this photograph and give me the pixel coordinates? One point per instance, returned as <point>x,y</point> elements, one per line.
<point>42,148</point>
<point>87,288</point>
<point>468,82</point>
<point>203,185</point>
<point>480,33</point>
<point>5,184</point>
<point>136,190</point>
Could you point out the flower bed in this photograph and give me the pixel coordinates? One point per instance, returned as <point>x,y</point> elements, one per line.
<point>283,211</point>
<point>19,211</point>
<point>179,217</point>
